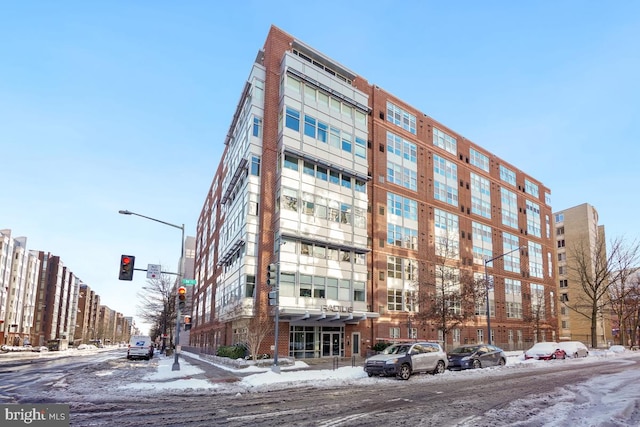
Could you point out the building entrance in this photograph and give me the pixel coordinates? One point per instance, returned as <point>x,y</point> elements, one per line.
<point>331,344</point>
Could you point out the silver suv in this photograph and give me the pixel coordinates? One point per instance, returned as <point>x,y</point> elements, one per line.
<point>405,359</point>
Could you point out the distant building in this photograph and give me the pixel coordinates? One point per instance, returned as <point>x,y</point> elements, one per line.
<point>578,227</point>
<point>41,299</point>
<point>352,192</point>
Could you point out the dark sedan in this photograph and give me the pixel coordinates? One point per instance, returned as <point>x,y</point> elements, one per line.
<point>475,356</point>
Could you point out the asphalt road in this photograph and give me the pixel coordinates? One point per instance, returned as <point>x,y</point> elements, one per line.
<point>424,400</point>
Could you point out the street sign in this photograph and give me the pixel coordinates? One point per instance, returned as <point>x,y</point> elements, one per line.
<point>188,281</point>
<point>153,271</point>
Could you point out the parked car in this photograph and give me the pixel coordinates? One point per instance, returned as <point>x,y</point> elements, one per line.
<point>403,360</point>
<point>545,351</point>
<point>618,348</point>
<point>574,348</point>
<point>40,348</point>
<point>475,356</point>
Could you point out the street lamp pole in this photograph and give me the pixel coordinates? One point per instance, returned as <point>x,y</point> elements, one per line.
<point>486,282</point>
<point>176,362</point>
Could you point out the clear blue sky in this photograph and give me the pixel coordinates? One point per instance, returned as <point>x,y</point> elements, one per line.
<point>125,105</point>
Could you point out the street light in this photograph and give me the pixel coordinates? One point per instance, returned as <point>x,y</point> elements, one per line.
<point>176,363</point>
<point>486,281</point>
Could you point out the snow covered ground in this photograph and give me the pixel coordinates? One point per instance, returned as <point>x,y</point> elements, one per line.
<point>605,400</point>
<point>602,401</point>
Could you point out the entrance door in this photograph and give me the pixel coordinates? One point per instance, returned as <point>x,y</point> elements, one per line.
<point>331,344</point>
<point>355,344</point>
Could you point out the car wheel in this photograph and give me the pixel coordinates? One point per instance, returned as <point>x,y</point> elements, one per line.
<point>405,372</point>
<point>502,362</point>
<point>575,355</point>
<point>439,368</point>
<point>476,364</point>
<point>370,374</point>
<point>553,356</point>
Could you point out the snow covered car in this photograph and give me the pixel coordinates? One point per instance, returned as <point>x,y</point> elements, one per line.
<point>574,348</point>
<point>403,360</point>
<point>545,351</point>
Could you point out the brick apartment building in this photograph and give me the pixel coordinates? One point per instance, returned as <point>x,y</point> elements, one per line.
<point>353,194</point>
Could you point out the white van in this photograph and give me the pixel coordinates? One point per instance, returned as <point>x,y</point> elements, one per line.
<point>140,347</point>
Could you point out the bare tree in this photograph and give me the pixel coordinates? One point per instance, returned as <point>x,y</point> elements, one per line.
<point>157,306</point>
<point>537,316</point>
<point>258,328</point>
<point>447,297</point>
<point>595,269</point>
<point>621,295</point>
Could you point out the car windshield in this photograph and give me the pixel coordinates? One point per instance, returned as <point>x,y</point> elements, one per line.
<point>396,349</point>
<point>463,350</point>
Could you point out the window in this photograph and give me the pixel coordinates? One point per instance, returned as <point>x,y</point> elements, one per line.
<point>308,168</point>
<point>509,209</point>
<point>394,332</point>
<point>361,148</point>
<point>535,259</point>
<point>394,300</point>
<point>290,199</point>
<point>321,173</point>
<point>292,120</point>
<point>564,297</point>
<point>255,165</point>
<point>346,142</point>
<point>479,160</point>
<point>533,219</point>
<point>531,188</point>
<point>400,117</point>
<point>445,141</point>
<point>445,176</point>
<point>564,283</point>
<point>507,175</point>
<point>559,217</point>
<point>290,162</point>
<point>309,126</point>
<point>257,127</point>
<point>480,196</point>
<point>334,177</point>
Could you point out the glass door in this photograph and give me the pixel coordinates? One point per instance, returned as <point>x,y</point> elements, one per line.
<point>331,344</point>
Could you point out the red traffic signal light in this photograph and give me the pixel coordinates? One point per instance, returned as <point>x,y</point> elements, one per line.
<point>126,267</point>
<point>182,293</point>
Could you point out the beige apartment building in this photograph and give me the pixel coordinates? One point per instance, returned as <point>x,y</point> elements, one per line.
<point>578,227</point>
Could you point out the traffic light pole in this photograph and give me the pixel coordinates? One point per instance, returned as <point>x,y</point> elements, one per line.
<point>276,368</point>
<point>176,362</point>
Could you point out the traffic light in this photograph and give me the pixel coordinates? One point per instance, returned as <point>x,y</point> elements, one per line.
<point>187,323</point>
<point>273,297</point>
<point>272,275</point>
<point>182,296</point>
<point>126,267</point>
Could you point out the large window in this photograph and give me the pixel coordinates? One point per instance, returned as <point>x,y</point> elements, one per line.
<point>401,162</point>
<point>535,260</point>
<point>447,234</point>
<point>445,182</point>
<point>531,188</point>
<point>402,206</point>
<point>509,202</point>
<point>404,237</point>
<point>480,196</point>
<point>533,218</point>
<point>507,175</point>
<point>510,245</point>
<point>482,243</point>
<point>445,141</point>
<point>479,160</point>
<point>400,117</point>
